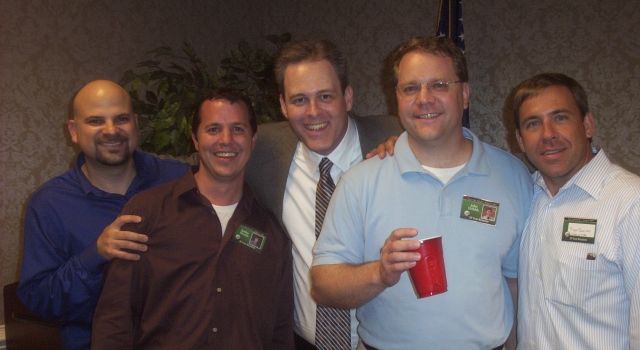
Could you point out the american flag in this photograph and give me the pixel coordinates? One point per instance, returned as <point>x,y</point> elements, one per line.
<point>450,25</point>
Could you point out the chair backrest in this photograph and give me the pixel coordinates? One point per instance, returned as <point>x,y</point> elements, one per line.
<point>24,330</point>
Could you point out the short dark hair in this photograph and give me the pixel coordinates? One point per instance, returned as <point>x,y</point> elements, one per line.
<point>312,51</point>
<point>227,94</point>
<point>441,46</point>
<point>533,87</point>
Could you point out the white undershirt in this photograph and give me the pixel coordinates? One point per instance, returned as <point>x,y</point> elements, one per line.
<point>224,213</point>
<point>298,215</point>
<point>444,174</point>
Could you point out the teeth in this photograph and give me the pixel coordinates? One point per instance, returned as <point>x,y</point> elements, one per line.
<point>315,127</point>
<point>550,152</point>
<point>110,143</point>
<point>428,116</point>
<point>226,154</point>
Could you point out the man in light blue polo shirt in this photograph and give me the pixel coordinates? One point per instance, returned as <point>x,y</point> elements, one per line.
<point>437,184</point>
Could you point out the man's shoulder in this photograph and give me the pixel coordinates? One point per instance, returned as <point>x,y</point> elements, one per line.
<point>275,140</point>
<point>163,164</point>
<point>385,123</point>
<point>501,158</point>
<point>154,196</point>
<point>369,170</point>
<point>628,181</point>
<point>64,183</point>
<point>269,131</point>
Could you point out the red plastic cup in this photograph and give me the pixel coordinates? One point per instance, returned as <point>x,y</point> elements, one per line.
<point>429,276</point>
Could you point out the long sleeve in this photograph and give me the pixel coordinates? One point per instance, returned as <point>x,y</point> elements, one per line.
<point>113,325</point>
<point>283,332</point>
<point>630,244</point>
<point>60,279</point>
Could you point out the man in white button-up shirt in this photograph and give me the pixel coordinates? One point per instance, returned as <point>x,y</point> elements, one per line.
<point>580,252</point>
<point>316,98</point>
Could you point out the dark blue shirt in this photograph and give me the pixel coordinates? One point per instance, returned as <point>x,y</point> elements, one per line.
<point>61,275</point>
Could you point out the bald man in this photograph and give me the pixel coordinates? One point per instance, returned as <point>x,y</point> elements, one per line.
<point>72,228</point>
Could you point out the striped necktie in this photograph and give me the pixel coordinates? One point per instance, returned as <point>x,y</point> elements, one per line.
<point>333,326</point>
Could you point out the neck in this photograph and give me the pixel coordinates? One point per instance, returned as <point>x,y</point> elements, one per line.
<point>442,155</point>
<point>219,192</point>
<point>111,179</point>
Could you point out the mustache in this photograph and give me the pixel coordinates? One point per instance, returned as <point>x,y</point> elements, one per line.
<point>114,138</point>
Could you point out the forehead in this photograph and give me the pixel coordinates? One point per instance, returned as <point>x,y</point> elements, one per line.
<point>221,111</point>
<point>310,76</point>
<point>419,65</point>
<point>102,104</point>
<point>549,100</point>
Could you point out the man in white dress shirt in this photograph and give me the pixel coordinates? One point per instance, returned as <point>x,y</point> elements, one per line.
<point>316,98</point>
<point>580,252</point>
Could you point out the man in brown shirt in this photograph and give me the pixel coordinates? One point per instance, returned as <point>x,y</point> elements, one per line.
<point>217,272</point>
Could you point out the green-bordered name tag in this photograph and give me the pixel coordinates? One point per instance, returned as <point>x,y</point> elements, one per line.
<point>579,230</point>
<point>480,210</point>
<point>249,238</point>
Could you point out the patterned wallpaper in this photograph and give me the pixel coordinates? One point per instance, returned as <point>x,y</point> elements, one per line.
<point>49,49</point>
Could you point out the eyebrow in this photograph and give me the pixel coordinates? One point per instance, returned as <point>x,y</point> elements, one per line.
<point>301,94</point>
<point>552,113</point>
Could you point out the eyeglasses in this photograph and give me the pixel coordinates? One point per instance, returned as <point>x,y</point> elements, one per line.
<point>434,87</point>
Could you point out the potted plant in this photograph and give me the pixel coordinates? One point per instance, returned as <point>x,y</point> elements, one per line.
<point>165,92</point>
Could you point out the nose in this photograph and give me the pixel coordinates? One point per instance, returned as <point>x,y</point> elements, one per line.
<point>109,128</point>
<point>313,109</point>
<point>548,130</point>
<point>225,137</point>
<point>425,95</point>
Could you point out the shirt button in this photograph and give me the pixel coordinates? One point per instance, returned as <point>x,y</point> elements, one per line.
<point>219,290</point>
<point>537,273</point>
<point>544,238</point>
<point>215,330</point>
<point>534,309</point>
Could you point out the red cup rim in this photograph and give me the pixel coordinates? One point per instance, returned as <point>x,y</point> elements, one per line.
<point>426,239</point>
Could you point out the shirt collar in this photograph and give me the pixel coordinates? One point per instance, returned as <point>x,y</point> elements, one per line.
<point>478,162</point>
<point>590,178</point>
<point>340,157</point>
<point>143,170</point>
<point>186,188</point>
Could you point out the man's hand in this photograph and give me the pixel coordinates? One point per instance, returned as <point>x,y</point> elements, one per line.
<point>111,241</point>
<point>394,258</point>
<point>383,148</point>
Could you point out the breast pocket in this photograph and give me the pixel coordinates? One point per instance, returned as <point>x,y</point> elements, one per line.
<point>575,281</point>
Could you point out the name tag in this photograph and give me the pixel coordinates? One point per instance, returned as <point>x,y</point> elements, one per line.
<point>579,230</point>
<point>250,238</point>
<point>480,210</point>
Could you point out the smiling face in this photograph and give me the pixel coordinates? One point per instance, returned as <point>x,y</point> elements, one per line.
<point>431,118</point>
<point>554,135</point>
<point>315,105</point>
<point>224,140</point>
<point>104,125</point>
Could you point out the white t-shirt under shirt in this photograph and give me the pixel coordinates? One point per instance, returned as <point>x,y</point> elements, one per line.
<point>224,213</point>
<point>444,174</point>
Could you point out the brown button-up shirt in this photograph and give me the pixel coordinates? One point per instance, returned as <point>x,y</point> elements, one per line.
<point>195,288</point>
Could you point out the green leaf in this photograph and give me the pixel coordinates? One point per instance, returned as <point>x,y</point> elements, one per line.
<point>161,51</point>
<point>135,84</point>
<point>160,140</point>
<point>151,97</point>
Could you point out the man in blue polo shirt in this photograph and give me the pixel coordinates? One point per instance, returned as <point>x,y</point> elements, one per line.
<point>72,228</point>
<point>436,184</point>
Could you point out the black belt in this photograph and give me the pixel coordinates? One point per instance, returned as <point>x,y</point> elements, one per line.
<point>369,347</point>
